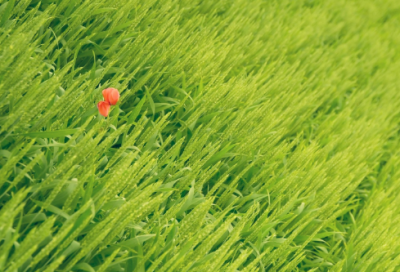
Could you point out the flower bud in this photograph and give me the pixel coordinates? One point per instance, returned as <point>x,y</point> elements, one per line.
<point>104,108</point>
<point>111,95</point>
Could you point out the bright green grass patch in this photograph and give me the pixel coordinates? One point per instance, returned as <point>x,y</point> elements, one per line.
<point>250,135</point>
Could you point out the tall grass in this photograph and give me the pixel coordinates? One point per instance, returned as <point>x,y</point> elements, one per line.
<point>250,135</point>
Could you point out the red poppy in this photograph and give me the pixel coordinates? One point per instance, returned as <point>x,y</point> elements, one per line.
<point>111,95</point>
<point>104,108</point>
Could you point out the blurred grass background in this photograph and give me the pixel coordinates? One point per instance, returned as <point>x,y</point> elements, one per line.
<point>250,135</point>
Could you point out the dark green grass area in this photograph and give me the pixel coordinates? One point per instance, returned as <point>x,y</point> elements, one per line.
<point>257,135</point>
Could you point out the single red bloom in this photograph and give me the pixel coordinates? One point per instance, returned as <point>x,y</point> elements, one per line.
<point>111,95</point>
<point>104,108</point>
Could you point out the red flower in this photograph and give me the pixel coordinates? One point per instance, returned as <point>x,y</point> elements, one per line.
<point>104,108</point>
<point>111,95</point>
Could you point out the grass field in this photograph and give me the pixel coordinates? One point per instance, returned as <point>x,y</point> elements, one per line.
<point>250,135</point>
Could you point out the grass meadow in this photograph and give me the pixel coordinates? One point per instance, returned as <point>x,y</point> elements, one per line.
<point>250,135</point>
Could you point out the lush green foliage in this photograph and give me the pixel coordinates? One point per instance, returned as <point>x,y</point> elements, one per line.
<point>250,135</point>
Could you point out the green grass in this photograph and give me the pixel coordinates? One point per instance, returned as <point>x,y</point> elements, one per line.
<point>250,135</point>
